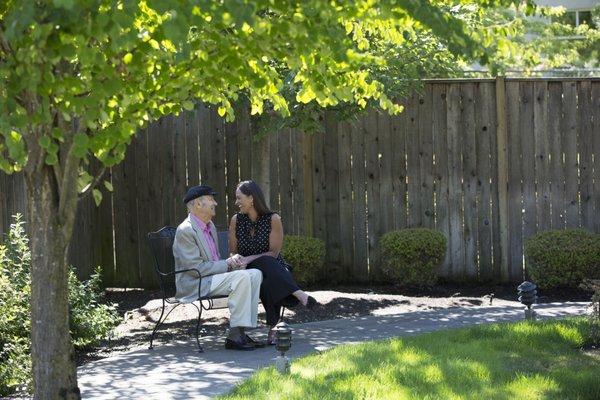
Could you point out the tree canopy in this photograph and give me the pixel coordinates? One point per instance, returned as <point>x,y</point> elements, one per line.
<point>80,77</point>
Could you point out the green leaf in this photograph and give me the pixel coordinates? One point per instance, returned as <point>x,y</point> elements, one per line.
<point>108,185</point>
<point>127,58</point>
<point>97,196</point>
<point>188,105</point>
<point>44,142</point>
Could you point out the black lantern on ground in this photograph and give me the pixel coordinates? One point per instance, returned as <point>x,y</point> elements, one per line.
<point>528,296</point>
<point>283,342</point>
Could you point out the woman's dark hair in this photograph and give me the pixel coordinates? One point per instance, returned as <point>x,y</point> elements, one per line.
<point>251,188</point>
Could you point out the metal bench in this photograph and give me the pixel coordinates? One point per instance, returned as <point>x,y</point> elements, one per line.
<point>161,246</point>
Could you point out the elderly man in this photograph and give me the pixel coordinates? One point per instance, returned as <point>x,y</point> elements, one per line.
<point>195,247</point>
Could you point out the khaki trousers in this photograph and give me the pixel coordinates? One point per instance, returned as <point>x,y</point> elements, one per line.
<point>243,289</point>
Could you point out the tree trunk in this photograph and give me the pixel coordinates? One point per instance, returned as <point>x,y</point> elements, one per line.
<point>52,352</point>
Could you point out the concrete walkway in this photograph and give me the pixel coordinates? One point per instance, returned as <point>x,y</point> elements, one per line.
<point>178,371</point>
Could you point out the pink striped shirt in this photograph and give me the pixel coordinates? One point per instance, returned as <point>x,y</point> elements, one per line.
<point>212,246</point>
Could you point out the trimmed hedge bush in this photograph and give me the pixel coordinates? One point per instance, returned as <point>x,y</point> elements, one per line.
<point>90,320</point>
<point>306,255</point>
<point>411,257</point>
<point>562,258</point>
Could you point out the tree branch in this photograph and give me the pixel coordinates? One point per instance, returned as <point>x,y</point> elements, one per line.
<point>97,178</point>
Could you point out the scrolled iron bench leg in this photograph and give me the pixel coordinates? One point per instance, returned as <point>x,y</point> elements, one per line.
<point>200,349</point>
<point>157,324</point>
<point>160,322</point>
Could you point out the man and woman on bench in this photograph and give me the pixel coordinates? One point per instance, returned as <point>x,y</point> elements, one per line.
<point>255,268</point>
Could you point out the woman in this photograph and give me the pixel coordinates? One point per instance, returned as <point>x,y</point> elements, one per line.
<point>257,234</point>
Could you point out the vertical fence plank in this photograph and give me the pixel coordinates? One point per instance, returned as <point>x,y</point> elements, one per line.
<point>332,211</point>
<point>303,197</point>
<point>297,176</point>
<point>502,174</point>
<point>373,193</point>
<point>308,166</point>
<point>179,178</point>
<point>204,145</point>
<point>285,179</point>
<point>498,181</point>
<point>386,202</point>
<point>571,164</point>
<point>232,173</point>
<point>540,130</point>
<point>526,133</point>
<point>125,217</point>
<point>483,97</point>
<point>455,200</point>
<point>360,270</point>
<point>469,156</point>
<point>557,174</point>
<point>191,148</point>
<point>345,197</point>
<point>440,146</point>
<point>399,186</point>
<point>219,181</point>
<point>320,229</point>
<point>273,143</point>
<point>413,171</point>
<point>426,158</point>
<point>103,228</point>
<point>145,201</point>
<point>585,145</point>
<point>245,145</point>
<point>515,213</point>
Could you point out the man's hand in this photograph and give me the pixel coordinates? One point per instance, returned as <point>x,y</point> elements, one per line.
<point>235,262</point>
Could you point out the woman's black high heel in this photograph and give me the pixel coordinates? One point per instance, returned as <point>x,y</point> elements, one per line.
<point>311,303</point>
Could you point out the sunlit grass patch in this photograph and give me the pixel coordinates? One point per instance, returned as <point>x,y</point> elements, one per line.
<point>539,360</point>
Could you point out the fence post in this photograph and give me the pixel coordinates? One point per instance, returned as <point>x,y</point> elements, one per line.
<point>502,151</point>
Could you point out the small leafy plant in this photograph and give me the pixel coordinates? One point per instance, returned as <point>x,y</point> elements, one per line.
<point>90,319</point>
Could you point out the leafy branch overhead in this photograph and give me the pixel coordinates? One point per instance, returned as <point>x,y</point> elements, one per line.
<point>80,77</point>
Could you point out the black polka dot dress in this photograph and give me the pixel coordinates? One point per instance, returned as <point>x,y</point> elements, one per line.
<point>278,283</point>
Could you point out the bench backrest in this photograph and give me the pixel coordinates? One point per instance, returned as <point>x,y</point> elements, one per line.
<point>161,247</point>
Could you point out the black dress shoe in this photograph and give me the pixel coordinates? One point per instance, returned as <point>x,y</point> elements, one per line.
<point>239,344</point>
<point>254,342</point>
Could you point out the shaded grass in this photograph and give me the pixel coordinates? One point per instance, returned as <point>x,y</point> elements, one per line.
<point>539,360</point>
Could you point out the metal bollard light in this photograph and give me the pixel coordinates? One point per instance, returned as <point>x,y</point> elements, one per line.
<point>283,342</point>
<point>528,296</point>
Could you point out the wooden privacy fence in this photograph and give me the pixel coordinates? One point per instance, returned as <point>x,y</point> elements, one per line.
<point>487,162</point>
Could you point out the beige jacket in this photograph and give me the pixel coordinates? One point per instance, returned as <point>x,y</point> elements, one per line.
<point>190,250</point>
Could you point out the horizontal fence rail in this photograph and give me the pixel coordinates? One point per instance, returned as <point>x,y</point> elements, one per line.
<point>487,162</point>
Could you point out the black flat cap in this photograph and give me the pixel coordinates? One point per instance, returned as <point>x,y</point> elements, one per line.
<point>197,191</point>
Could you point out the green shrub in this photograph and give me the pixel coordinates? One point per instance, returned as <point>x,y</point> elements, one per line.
<point>90,320</point>
<point>306,255</point>
<point>562,257</point>
<point>412,257</point>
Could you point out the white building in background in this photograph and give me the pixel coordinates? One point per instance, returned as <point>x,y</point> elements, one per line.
<point>578,10</point>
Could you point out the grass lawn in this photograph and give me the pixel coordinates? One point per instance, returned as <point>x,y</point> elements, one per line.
<point>540,360</point>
